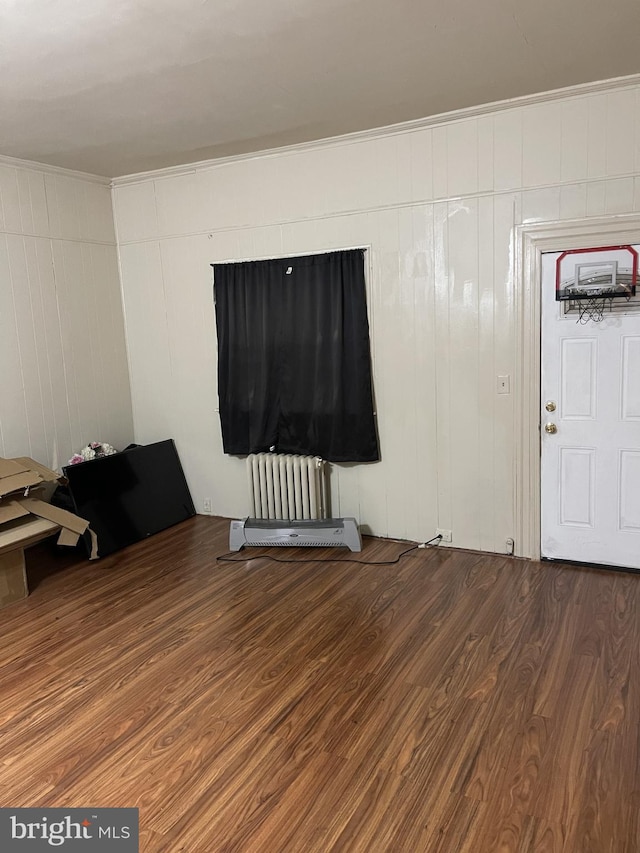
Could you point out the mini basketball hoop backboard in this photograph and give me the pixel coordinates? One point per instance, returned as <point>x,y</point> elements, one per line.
<point>588,280</point>
<point>608,272</point>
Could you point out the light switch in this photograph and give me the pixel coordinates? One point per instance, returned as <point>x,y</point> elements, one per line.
<point>504,384</point>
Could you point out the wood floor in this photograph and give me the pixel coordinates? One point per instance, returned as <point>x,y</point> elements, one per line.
<point>451,703</point>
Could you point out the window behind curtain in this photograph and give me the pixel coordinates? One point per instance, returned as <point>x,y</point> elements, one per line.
<point>294,367</point>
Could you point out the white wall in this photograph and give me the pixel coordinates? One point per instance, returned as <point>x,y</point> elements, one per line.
<point>437,206</point>
<point>64,375</point>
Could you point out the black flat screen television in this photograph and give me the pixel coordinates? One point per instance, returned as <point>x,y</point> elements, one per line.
<point>130,495</point>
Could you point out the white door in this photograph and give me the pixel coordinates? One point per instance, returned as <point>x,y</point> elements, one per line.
<point>590,487</point>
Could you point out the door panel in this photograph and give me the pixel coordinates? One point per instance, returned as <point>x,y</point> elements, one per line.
<point>629,503</point>
<point>577,503</point>
<point>590,466</point>
<point>630,378</point>
<point>577,365</point>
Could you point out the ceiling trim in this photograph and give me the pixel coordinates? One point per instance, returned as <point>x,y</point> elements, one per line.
<point>583,89</point>
<point>33,166</point>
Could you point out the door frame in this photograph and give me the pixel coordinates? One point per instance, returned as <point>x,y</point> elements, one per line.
<point>530,242</point>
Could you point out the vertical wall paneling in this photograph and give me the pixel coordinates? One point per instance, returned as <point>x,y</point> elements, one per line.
<point>191,333</point>
<point>384,264</point>
<point>437,206</point>
<point>507,150</point>
<point>300,191</point>
<point>419,266</point>
<point>440,161</point>
<point>487,388</point>
<point>395,371</point>
<point>541,145</point>
<point>404,178</point>
<point>38,269</point>
<point>25,282</point>
<point>636,193</point>
<point>64,379</point>
<point>621,126</point>
<point>596,198</point>
<point>149,353</point>
<point>24,200</point>
<point>136,212</point>
<point>573,201</point>
<point>441,353</point>
<point>180,207</point>
<point>598,115</point>
<point>462,158</point>
<point>574,128</point>
<point>13,417</point>
<point>56,381</point>
<point>542,205</point>
<point>10,207</point>
<point>76,354</point>
<point>464,366</point>
<point>636,132</point>
<point>503,341</point>
<point>421,154</point>
<point>485,153</point>
<point>619,195</point>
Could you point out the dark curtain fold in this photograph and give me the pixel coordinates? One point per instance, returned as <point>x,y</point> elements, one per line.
<point>294,367</point>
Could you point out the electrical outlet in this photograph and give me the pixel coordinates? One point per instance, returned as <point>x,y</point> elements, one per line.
<point>206,506</point>
<point>446,535</point>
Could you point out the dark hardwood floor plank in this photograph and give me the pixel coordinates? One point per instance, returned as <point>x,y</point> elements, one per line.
<point>452,702</point>
<point>617,696</point>
<point>562,767</point>
<point>508,823</point>
<point>549,837</point>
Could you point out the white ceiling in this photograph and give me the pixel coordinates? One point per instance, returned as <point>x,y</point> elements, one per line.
<point>120,86</point>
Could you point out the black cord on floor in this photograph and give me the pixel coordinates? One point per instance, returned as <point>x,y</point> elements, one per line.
<point>227,558</point>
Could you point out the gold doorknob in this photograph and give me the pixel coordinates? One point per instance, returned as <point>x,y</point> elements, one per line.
<point>550,428</point>
<point>551,406</point>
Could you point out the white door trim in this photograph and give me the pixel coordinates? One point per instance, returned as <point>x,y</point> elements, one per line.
<point>530,242</point>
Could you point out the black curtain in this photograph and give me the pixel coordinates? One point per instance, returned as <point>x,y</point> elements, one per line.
<point>294,368</point>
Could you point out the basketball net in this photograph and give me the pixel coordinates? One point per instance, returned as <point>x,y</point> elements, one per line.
<point>593,307</point>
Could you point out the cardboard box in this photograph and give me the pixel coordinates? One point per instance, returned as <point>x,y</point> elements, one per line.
<point>13,578</point>
<point>26,519</point>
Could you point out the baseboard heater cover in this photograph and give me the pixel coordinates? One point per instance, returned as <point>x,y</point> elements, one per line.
<point>317,533</point>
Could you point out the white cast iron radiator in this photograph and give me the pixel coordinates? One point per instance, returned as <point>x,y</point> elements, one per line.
<point>285,486</point>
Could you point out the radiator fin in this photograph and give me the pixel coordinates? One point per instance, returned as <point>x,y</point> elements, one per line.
<point>286,486</point>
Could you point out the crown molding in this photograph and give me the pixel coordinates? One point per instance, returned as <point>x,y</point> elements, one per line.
<point>580,90</point>
<point>32,166</point>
